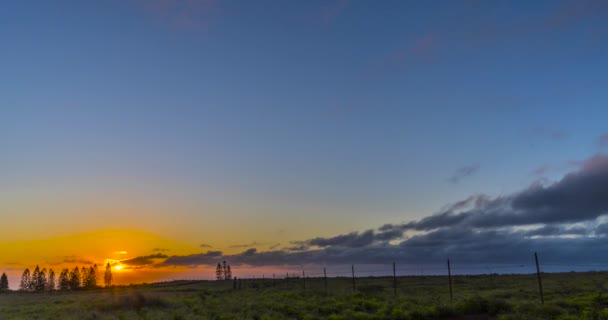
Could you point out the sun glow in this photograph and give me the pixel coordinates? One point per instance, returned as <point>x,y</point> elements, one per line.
<point>118,267</point>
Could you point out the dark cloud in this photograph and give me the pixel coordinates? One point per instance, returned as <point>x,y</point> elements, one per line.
<point>349,240</point>
<point>160,250</point>
<point>463,172</point>
<point>557,230</point>
<point>208,258</point>
<point>143,260</point>
<point>249,252</point>
<point>354,239</point>
<point>247,245</point>
<point>76,260</point>
<point>602,229</point>
<point>204,245</point>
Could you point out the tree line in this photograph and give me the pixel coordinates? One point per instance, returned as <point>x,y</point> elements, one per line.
<point>223,272</point>
<point>75,279</point>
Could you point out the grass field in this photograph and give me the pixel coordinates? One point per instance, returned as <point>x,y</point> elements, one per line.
<point>567,296</point>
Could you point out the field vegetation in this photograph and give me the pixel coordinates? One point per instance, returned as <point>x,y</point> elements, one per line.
<point>567,296</point>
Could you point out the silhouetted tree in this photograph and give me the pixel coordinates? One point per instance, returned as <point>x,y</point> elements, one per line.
<point>25,280</point>
<point>84,277</point>
<point>228,274</point>
<point>107,277</point>
<point>3,282</point>
<point>64,279</point>
<point>50,281</point>
<point>41,280</point>
<point>218,272</point>
<point>93,276</point>
<point>224,270</point>
<point>89,277</point>
<point>75,279</point>
<point>34,279</point>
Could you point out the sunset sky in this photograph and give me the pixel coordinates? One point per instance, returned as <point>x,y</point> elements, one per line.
<point>167,135</point>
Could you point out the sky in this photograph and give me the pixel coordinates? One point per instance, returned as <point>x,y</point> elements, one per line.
<point>279,133</point>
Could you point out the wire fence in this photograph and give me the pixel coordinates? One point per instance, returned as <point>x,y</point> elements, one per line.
<point>534,281</point>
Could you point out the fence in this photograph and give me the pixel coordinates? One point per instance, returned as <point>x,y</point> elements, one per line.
<point>442,283</point>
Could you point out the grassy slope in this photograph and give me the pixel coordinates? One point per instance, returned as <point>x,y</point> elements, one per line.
<point>567,296</point>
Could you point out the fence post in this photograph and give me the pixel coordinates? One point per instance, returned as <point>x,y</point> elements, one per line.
<point>325,278</point>
<point>303,280</point>
<point>354,287</point>
<point>394,279</point>
<point>450,279</point>
<point>540,283</point>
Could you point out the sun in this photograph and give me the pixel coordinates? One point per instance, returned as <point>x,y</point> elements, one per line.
<point>118,267</point>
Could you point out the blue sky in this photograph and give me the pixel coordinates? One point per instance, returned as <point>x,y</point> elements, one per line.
<point>307,117</point>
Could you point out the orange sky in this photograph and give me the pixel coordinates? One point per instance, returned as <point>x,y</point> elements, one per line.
<point>97,248</point>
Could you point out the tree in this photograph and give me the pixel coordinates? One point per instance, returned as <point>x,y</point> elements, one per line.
<point>224,270</point>
<point>219,275</point>
<point>50,282</point>
<point>107,277</point>
<point>25,280</point>
<point>34,279</point>
<point>228,273</point>
<point>3,282</point>
<point>41,280</point>
<point>84,277</point>
<point>64,279</point>
<point>75,279</point>
<point>89,277</point>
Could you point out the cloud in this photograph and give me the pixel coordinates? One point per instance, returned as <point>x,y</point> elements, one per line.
<point>160,250</point>
<point>564,221</point>
<point>143,260</point>
<point>249,252</point>
<point>274,246</point>
<point>208,258</point>
<point>76,259</point>
<point>463,173</point>
<point>540,171</point>
<point>247,245</point>
<point>204,245</point>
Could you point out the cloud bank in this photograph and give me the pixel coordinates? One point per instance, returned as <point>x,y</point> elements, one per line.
<point>566,221</point>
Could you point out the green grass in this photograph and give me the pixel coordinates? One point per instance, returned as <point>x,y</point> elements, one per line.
<point>567,296</point>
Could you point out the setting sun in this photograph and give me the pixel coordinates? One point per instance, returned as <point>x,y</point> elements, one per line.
<point>118,267</point>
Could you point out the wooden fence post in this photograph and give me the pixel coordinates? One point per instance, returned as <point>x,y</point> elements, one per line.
<point>450,279</point>
<point>540,283</point>
<point>354,287</point>
<point>325,278</point>
<point>394,279</point>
